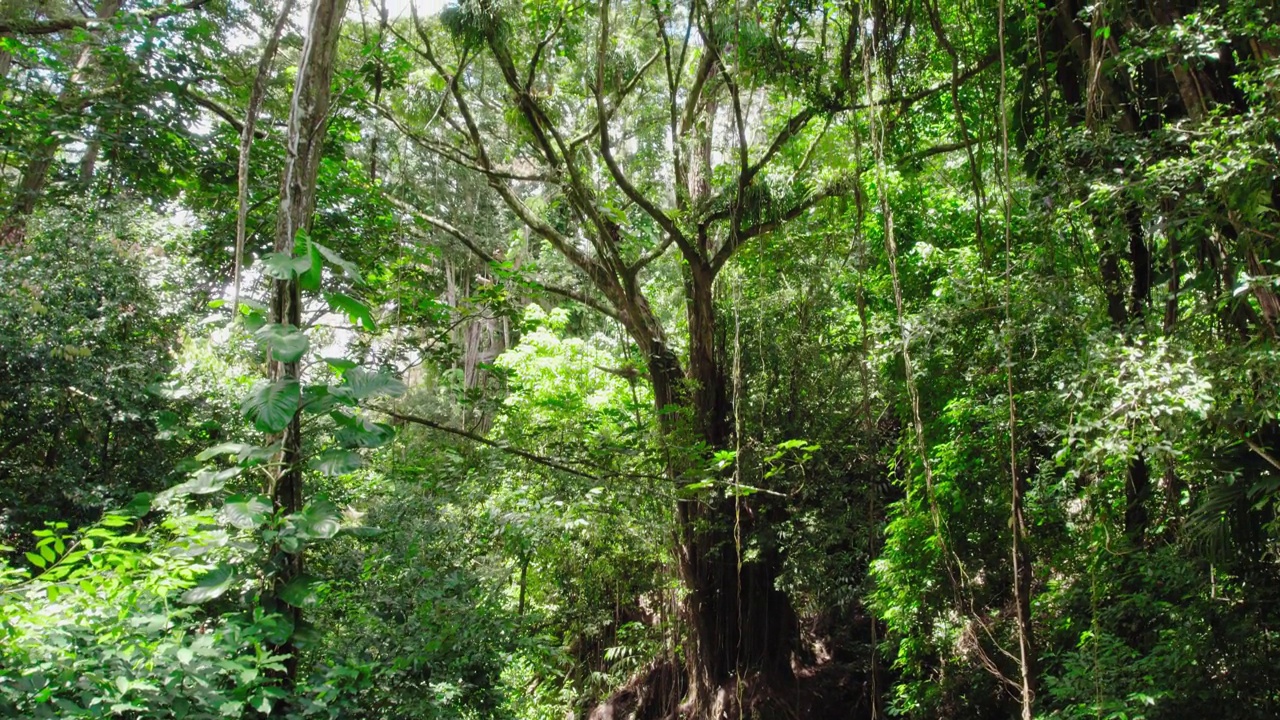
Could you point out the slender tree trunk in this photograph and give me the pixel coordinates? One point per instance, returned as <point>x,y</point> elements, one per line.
<point>308,113</point>
<point>256,94</point>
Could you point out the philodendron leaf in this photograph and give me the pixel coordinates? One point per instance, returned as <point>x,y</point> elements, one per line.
<point>337,462</point>
<point>246,512</point>
<point>285,342</point>
<point>302,592</point>
<point>212,585</point>
<point>204,482</point>
<point>226,448</point>
<point>309,279</point>
<point>283,266</point>
<point>347,266</point>
<point>362,433</point>
<point>271,405</point>
<point>356,311</point>
<point>319,400</point>
<point>363,384</point>
<point>319,520</point>
<point>340,365</point>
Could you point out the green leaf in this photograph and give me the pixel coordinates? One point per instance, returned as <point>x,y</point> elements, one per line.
<point>337,462</point>
<point>283,266</point>
<point>287,343</point>
<point>347,266</point>
<point>319,520</point>
<point>309,280</point>
<point>362,384</point>
<point>226,448</point>
<point>212,585</point>
<point>318,399</point>
<point>302,592</point>
<point>362,433</point>
<point>204,482</point>
<point>272,405</point>
<point>356,311</point>
<point>246,513</point>
<point>340,364</point>
<point>37,560</point>
<point>139,505</point>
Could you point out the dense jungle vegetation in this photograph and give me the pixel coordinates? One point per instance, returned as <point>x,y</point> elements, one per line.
<point>604,359</point>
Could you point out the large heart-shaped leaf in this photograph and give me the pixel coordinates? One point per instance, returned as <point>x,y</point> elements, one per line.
<point>226,448</point>
<point>285,342</point>
<point>318,399</point>
<point>309,279</point>
<point>212,585</point>
<point>204,482</point>
<point>337,462</point>
<point>302,592</point>
<point>283,266</point>
<point>356,311</point>
<point>246,513</point>
<point>361,433</point>
<point>347,266</point>
<point>271,405</point>
<point>362,384</point>
<point>319,520</point>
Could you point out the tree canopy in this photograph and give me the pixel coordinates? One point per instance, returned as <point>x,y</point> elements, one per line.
<point>651,359</point>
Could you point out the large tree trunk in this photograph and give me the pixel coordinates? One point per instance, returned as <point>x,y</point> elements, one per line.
<point>307,118</point>
<point>742,630</point>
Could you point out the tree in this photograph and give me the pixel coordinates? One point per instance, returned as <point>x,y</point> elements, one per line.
<point>308,114</point>
<point>710,165</point>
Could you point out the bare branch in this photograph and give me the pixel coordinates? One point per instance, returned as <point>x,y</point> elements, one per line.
<point>652,255</point>
<point>531,457</point>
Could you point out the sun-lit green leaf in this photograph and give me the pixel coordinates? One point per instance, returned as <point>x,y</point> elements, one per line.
<point>283,266</point>
<point>356,311</point>
<point>212,585</point>
<point>337,462</point>
<point>272,405</point>
<point>363,384</point>
<point>319,520</point>
<point>245,512</point>
<point>285,342</point>
<point>349,268</point>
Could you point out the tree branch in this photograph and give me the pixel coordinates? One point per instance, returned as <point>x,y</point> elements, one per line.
<point>664,221</point>
<point>72,22</point>
<point>531,457</point>
<point>473,245</point>
<point>735,240</point>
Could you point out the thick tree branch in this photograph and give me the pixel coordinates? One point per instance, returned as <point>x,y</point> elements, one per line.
<point>473,246</point>
<point>838,186</point>
<point>222,111</point>
<point>72,22</point>
<point>664,221</point>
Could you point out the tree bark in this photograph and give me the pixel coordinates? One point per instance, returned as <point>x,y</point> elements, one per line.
<point>308,114</point>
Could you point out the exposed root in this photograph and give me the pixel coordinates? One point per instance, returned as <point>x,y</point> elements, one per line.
<point>831,691</point>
